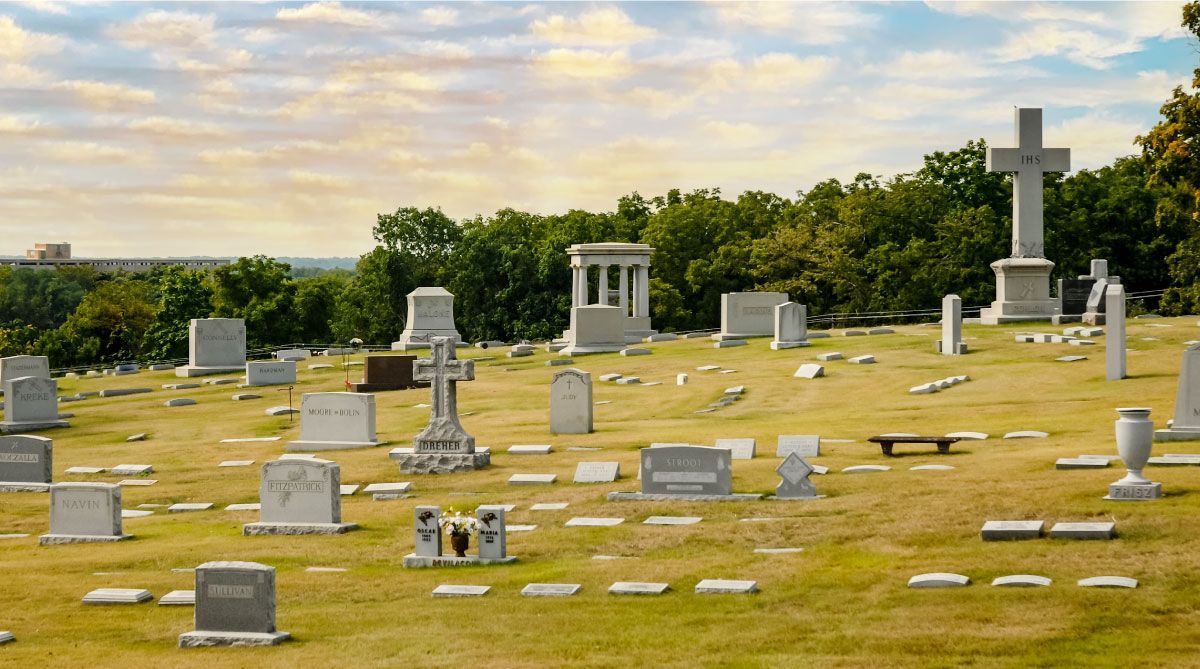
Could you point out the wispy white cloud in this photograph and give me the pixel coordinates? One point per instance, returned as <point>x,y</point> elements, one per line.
<point>605,26</point>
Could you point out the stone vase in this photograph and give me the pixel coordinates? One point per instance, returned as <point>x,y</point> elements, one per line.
<point>460,543</point>
<point>1135,437</point>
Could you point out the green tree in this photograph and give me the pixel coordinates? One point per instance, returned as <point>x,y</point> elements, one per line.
<point>315,306</point>
<point>259,290</point>
<point>183,294</point>
<point>108,326</point>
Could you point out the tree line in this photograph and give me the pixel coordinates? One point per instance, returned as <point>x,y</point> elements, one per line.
<point>868,245</point>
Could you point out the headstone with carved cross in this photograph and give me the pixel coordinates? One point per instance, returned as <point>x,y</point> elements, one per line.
<point>1023,279</point>
<point>443,371</point>
<point>795,484</point>
<point>443,446</point>
<point>571,402</point>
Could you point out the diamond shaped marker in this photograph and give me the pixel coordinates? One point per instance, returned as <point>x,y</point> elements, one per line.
<point>794,469</point>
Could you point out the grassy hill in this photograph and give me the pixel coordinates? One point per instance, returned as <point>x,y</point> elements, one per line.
<point>840,602</point>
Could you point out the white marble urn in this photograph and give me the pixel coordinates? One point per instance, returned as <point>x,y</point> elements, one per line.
<point>1135,436</point>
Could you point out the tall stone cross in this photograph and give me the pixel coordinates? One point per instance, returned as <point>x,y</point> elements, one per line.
<point>444,434</point>
<point>1028,161</point>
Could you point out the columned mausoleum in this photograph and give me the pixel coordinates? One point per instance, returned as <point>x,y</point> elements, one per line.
<point>631,263</point>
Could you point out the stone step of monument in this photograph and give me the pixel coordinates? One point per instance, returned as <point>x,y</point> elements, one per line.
<point>117,596</point>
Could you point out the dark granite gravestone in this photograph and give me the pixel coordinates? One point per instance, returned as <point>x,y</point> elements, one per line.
<point>687,470</point>
<point>1073,296</point>
<point>235,606</point>
<point>388,372</point>
<point>25,463</point>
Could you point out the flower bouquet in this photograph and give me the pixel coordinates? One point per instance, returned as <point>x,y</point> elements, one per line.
<point>459,528</point>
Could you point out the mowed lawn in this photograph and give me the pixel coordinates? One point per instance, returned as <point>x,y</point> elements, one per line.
<point>842,601</point>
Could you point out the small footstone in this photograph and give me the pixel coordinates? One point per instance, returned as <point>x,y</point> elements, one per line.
<point>131,470</point>
<point>864,469</point>
<point>1080,463</point>
<point>1021,581</point>
<point>1026,434</point>
<point>708,368</point>
<point>969,435</point>
<point>6,637</point>
<point>325,570</point>
<point>550,589</point>
<point>140,436</point>
<point>280,411</point>
<point>240,397</point>
<point>777,551</point>
<point>388,488</point>
<point>1102,530</point>
<point>880,331</point>
<point>520,528</point>
<point>637,588</point>
<point>137,482</point>
<point>826,357</point>
<point>1108,582</point>
<point>854,333</point>
<point>189,506</point>
<point>117,596</point>
<point>179,402</point>
<point>635,351</point>
<point>931,468</point>
<point>178,598</point>
<point>84,470</point>
<point>236,463</point>
<point>251,506</point>
<point>532,479</point>
<point>530,449</point>
<point>809,371</point>
<point>672,520</point>
<point>862,360</point>
<point>729,343</point>
<point>717,586</point>
<point>135,513</point>
<point>610,377</point>
<point>1071,358</point>
<point>249,439</point>
<point>348,489</point>
<point>1001,530</point>
<point>549,506</point>
<point>461,590</point>
<point>583,521</point>
<point>938,580</point>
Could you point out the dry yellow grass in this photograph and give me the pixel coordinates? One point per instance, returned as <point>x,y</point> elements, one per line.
<point>841,602</point>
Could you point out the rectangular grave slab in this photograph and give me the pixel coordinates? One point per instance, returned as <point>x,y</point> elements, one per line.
<point>804,445</point>
<point>597,472</point>
<point>637,588</point>
<point>740,449</point>
<point>461,590</point>
<point>1080,463</point>
<point>270,372</point>
<point>1099,530</point>
<point>594,522</point>
<point>178,598</point>
<point>335,421</point>
<point>117,596</point>
<point>672,520</point>
<point>532,479</point>
<point>717,586</point>
<point>1001,530</point>
<point>530,449</point>
<point>550,589</point>
<point>185,507</point>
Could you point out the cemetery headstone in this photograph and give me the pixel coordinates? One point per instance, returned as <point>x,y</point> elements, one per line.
<point>84,512</point>
<point>430,314</point>
<point>215,346</point>
<point>1114,342</point>
<point>388,372</point>
<point>597,472</point>
<point>235,606</point>
<point>335,421</point>
<point>595,328</point>
<point>687,470</point>
<point>270,372</point>
<point>1023,279</point>
<point>804,445</point>
<point>746,315</point>
<point>795,484</point>
<point>1073,299</point>
<point>571,402</point>
<point>30,403</point>
<point>25,463</point>
<point>16,366</point>
<point>492,541</point>
<point>300,497</point>
<point>951,342</point>
<point>1186,424</point>
<point>791,326</point>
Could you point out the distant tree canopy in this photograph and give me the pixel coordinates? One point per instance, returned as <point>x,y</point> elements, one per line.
<point>867,245</point>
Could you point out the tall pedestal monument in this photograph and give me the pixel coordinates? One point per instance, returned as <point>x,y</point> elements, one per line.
<point>1023,279</point>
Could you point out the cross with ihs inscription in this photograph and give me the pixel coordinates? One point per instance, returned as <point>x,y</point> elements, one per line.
<point>1028,162</point>
<point>443,371</point>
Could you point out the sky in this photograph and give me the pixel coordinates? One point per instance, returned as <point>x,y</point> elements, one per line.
<point>226,129</point>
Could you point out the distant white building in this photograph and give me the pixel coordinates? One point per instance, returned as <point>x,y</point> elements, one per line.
<point>53,256</point>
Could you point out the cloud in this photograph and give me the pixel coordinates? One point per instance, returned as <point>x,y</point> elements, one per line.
<point>804,22</point>
<point>608,26</point>
<point>332,12</point>
<point>1095,138</point>
<point>439,16</point>
<point>88,152</point>
<point>163,29</point>
<point>106,96</point>
<point>19,45</point>
<point>780,72</point>
<point>316,180</point>
<point>738,134</point>
<point>177,128</point>
<point>583,64</point>
<point>44,6</point>
<point>1084,47</point>
<point>16,75</point>
<point>19,125</point>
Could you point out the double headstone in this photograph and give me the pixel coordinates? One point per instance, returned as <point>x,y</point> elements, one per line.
<point>746,315</point>
<point>387,372</point>
<point>25,463</point>
<point>270,372</point>
<point>491,539</point>
<point>571,402</point>
<point>235,606</point>
<point>84,512</point>
<point>300,497</point>
<point>215,346</point>
<point>430,314</point>
<point>30,403</point>
<point>951,342</point>
<point>335,421</point>
<point>791,326</point>
<point>595,328</point>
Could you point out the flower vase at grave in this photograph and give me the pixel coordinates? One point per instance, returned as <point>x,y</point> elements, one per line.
<point>460,542</point>
<point>1135,436</point>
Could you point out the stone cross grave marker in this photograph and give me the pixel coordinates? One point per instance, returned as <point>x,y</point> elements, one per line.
<point>443,371</point>
<point>1028,161</point>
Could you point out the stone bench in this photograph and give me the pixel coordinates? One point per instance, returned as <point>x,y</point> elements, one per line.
<point>886,443</point>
